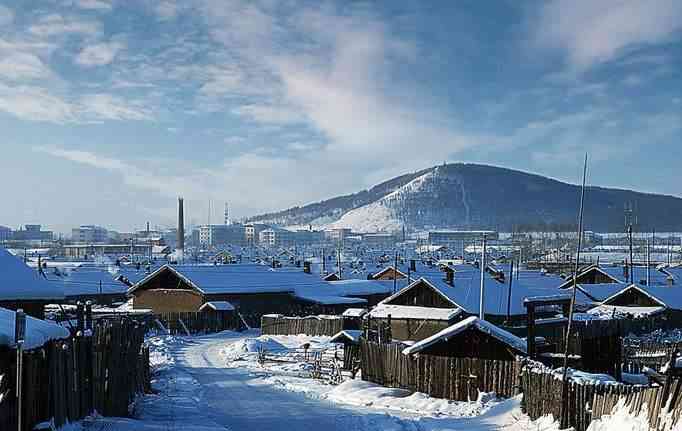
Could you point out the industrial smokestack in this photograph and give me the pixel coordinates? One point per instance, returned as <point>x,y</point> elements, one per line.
<point>181,229</point>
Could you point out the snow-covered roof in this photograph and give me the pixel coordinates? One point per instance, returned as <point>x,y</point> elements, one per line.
<point>600,291</point>
<point>318,298</point>
<point>382,311</point>
<point>569,282</point>
<point>38,332</point>
<point>85,281</point>
<point>470,322</point>
<point>607,312</point>
<point>388,269</point>
<point>466,291</point>
<point>19,282</point>
<point>354,312</point>
<point>359,287</point>
<point>669,297</point>
<point>352,335</point>
<point>217,306</point>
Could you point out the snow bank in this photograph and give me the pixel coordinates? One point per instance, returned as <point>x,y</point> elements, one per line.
<point>361,393</point>
<point>248,346</point>
<point>621,420</point>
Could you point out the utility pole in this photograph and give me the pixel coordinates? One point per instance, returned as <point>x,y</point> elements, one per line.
<point>632,265</point>
<point>395,273</point>
<point>511,278</point>
<point>564,392</point>
<point>481,305</point>
<point>648,264</point>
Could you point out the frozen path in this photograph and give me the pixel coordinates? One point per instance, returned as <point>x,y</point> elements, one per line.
<point>238,401</point>
<point>197,391</point>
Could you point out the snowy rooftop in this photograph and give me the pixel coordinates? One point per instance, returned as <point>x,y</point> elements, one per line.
<point>352,335</point>
<point>249,279</point>
<point>473,321</point>
<point>606,312</point>
<point>361,287</point>
<point>85,281</point>
<point>19,282</point>
<point>382,311</point>
<point>466,291</point>
<point>354,312</point>
<point>38,332</point>
<point>217,306</point>
<point>670,297</point>
<point>318,298</point>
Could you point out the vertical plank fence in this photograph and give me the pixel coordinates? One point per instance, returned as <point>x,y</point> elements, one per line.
<point>101,370</point>
<point>311,325</point>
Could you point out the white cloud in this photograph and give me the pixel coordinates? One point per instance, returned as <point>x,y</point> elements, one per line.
<point>592,32</point>
<point>22,66</point>
<point>166,10</point>
<point>269,114</point>
<point>83,157</point>
<point>108,107</point>
<point>99,5</point>
<point>56,24</point>
<point>6,16</point>
<point>99,54</point>
<point>35,104</point>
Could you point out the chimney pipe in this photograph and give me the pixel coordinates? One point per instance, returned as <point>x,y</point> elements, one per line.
<point>450,276</point>
<point>306,267</point>
<point>181,228</point>
<point>413,265</point>
<point>626,272</point>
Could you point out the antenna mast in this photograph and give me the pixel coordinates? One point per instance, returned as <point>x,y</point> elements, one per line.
<point>564,394</point>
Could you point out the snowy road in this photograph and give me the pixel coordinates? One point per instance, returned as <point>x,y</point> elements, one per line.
<point>197,390</point>
<point>237,400</point>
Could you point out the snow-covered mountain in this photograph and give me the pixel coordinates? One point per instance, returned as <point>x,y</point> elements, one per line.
<point>469,196</point>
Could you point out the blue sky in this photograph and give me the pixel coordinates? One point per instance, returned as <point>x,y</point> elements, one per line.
<point>110,109</point>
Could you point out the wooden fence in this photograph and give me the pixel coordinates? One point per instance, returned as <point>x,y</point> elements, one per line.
<point>200,322</point>
<point>66,380</point>
<point>639,354</point>
<point>542,395</point>
<point>458,379</point>
<point>310,325</point>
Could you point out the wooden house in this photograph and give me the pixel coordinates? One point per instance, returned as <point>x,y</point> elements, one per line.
<point>389,273</point>
<point>660,306</point>
<point>25,288</point>
<point>254,290</point>
<point>471,338</point>
<point>417,311</point>
<point>595,282</point>
<point>432,303</point>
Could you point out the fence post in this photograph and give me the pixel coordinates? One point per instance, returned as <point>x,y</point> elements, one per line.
<point>19,336</point>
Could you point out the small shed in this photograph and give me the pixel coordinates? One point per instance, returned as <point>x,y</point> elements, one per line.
<point>471,338</point>
<point>351,346</point>
<point>352,318</point>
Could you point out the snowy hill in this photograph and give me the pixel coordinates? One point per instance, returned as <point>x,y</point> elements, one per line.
<point>470,196</point>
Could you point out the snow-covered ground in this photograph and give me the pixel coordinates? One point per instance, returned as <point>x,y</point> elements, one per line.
<point>216,383</point>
